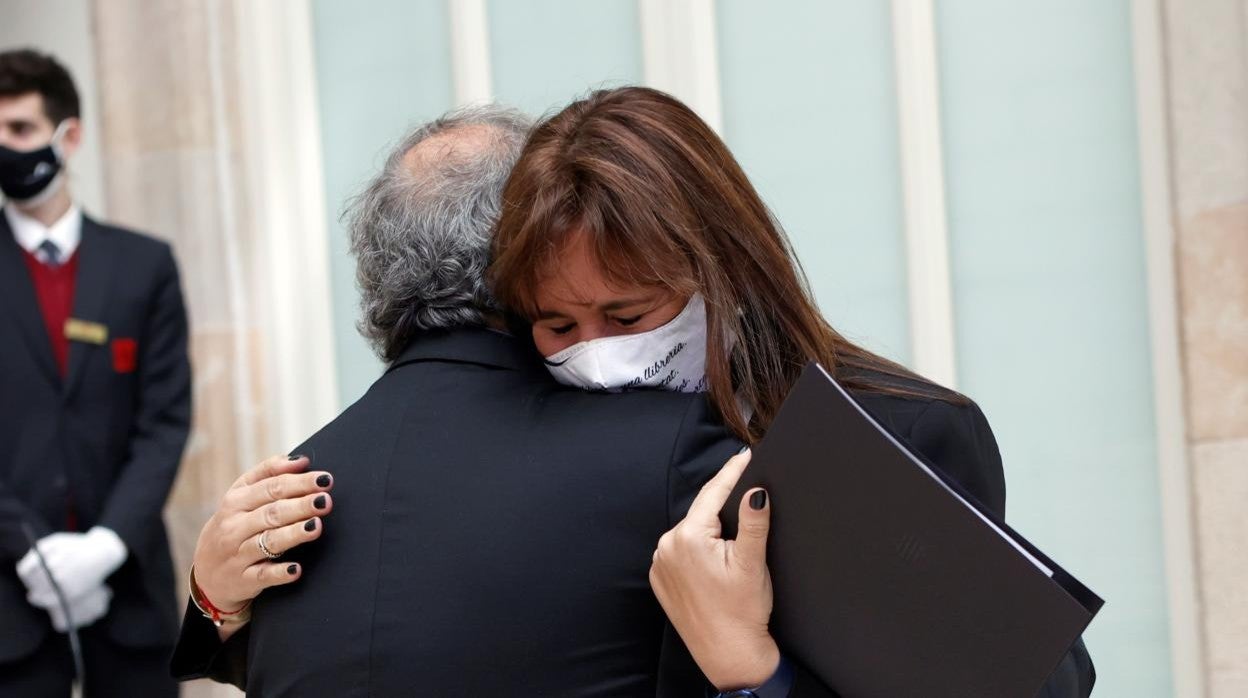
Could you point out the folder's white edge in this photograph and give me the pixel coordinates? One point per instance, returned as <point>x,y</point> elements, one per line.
<point>1008,538</point>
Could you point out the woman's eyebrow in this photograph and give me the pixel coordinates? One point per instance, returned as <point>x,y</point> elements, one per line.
<point>549,315</point>
<point>625,303</point>
<point>543,314</point>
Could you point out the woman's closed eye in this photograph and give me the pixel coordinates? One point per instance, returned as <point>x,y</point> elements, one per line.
<point>628,321</point>
<point>563,329</point>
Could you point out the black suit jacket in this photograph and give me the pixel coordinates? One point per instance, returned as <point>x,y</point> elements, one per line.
<point>111,440</point>
<point>491,535</point>
<point>492,599</point>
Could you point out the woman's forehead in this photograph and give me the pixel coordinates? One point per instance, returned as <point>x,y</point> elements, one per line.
<point>575,277</point>
<point>587,287</point>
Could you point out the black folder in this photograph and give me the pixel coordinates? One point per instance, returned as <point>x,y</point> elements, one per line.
<point>890,581</point>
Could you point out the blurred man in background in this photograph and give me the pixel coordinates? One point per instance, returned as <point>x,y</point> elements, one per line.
<point>95,409</point>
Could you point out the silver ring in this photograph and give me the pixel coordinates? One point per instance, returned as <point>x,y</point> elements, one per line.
<point>264,549</point>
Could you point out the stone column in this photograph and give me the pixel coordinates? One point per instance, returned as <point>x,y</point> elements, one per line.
<point>173,148</point>
<point>1206,45</point>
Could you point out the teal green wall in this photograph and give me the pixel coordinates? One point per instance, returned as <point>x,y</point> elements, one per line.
<point>810,111</point>
<point>544,53</point>
<point>1047,256</point>
<point>381,68</point>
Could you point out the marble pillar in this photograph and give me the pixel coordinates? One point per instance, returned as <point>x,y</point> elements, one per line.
<point>172,141</point>
<point>1206,46</point>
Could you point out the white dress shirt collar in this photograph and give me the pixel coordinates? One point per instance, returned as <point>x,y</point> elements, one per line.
<point>65,233</point>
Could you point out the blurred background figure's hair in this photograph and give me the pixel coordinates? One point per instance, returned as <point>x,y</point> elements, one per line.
<point>23,71</point>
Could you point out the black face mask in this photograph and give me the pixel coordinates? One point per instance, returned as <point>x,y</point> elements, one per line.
<point>24,175</point>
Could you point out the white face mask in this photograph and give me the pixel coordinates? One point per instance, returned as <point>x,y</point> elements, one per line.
<point>671,357</point>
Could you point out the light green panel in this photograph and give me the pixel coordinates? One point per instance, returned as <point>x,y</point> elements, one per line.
<point>382,66</point>
<point>1051,302</point>
<point>810,111</point>
<point>545,53</point>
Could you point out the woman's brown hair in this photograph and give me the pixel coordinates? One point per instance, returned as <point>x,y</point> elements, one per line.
<point>666,204</point>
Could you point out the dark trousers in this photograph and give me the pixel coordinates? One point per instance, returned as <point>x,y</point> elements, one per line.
<point>111,671</point>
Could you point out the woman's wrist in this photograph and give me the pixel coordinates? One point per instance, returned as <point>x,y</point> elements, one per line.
<point>220,613</point>
<point>751,666</point>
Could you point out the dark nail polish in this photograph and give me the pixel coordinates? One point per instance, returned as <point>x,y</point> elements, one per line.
<point>758,500</point>
<point>292,569</point>
<point>294,457</point>
<point>310,526</point>
<point>323,480</point>
<point>744,449</point>
<point>319,502</point>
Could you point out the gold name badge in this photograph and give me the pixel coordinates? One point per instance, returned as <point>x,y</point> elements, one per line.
<point>83,331</point>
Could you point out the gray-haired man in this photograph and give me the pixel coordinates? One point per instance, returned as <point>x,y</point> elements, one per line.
<point>492,531</point>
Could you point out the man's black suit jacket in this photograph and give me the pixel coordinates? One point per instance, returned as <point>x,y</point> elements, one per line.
<point>492,535</point>
<point>109,439</point>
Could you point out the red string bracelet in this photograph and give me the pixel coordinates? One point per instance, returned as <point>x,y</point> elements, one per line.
<point>218,616</point>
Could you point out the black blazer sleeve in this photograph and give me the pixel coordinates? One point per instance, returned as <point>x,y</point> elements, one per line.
<point>163,419</point>
<point>958,441</point>
<point>200,654</point>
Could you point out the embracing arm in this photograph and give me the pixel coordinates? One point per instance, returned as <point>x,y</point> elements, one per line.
<point>277,500</point>
<point>201,654</point>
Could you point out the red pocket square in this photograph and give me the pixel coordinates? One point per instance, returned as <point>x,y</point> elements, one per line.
<point>125,355</point>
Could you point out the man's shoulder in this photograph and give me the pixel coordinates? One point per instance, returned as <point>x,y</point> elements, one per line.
<point>678,433</point>
<point>133,242</point>
<point>523,388</point>
<point>656,416</point>
<point>644,404</point>
<point>495,397</point>
<point>646,425</point>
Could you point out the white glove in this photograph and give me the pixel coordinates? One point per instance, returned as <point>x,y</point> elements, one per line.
<point>83,611</point>
<point>80,562</point>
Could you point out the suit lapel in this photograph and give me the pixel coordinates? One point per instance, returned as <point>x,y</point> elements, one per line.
<point>95,267</point>
<point>17,291</point>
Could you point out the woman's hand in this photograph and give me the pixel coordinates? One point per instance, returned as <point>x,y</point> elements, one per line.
<point>716,592</point>
<point>276,500</point>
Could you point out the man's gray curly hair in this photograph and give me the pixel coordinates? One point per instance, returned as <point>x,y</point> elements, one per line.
<point>420,231</point>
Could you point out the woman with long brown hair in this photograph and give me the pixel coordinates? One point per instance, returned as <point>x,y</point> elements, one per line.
<point>642,256</point>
